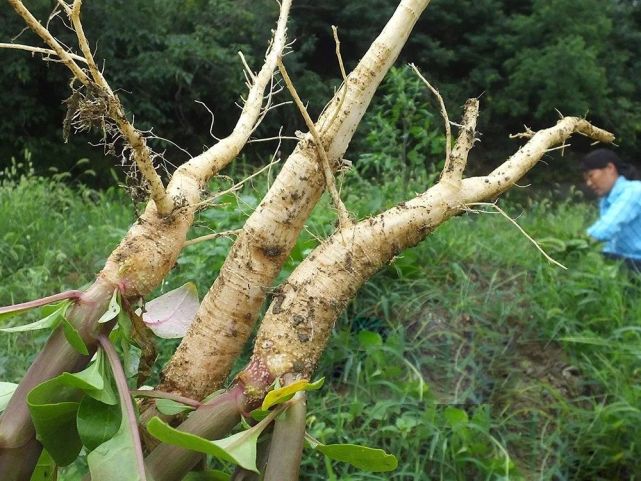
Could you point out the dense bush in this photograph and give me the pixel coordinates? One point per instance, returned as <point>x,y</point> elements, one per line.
<point>524,58</point>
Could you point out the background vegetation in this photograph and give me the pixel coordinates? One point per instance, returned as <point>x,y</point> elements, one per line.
<point>470,356</point>
<point>525,58</point>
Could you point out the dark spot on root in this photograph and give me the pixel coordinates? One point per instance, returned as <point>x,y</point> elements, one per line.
<point>348,262</point>
<point>272,251</point>
<point>297,319</point>
<point>277,302</point>
<point>302,337</point>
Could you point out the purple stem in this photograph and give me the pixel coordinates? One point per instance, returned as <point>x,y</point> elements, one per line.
<point>41,302</point>
<point>126,404</point>
<point>213,420</point>
<point>166,395</point>
<point>286,449</point>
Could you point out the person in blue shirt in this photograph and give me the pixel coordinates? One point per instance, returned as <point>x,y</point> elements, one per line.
<point>619,224</point>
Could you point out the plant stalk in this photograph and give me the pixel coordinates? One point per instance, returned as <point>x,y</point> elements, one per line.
<point>56,357</point>
<point>17,434</point>
<point>126,404</point>
<point>213,420</point>
<point>286,449</point>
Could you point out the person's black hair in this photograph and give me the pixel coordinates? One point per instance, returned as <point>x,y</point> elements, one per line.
<point>600,158</point>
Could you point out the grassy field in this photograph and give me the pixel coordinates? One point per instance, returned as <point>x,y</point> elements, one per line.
<point>470,357</point>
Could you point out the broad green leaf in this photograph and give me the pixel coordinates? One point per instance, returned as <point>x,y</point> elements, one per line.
<point>113,309</point>
<point>283,394</point>
<point>124,324</point>
<point>73,337</point>
<point>170,407</point>
<point>95,380</point>
<point>53,406</point>
<point>455,416</point>
<point>238,448</point>
<point>97,422</point>
<point>210,475</point>
<point>6,391</point>
<point>46,469</point>
<point>361,457</point>
<point>131,358</point>
<point>170,315</point>
<point>51,321</point>
<point>368,339</point>
<point>115,460</point>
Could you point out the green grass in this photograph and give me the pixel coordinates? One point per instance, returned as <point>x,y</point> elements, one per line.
<point>469,357</point>
<point>52,238</point>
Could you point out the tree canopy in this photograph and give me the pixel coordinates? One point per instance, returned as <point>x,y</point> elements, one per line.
<point>524,58</point>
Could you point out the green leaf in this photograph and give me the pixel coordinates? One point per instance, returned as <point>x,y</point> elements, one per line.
<point>11,311</point>
<point>97,422</point>
<point>124,323</point>
<point>368,339</point>
<point>591,340</point>
<point>113,310</point>
<point>455,416</point>
<point>73,337</point>
<point>361,457</point>
<point>53,406</point>
<point>170,407</point>
<point>238,448</point>
<point>6,391</point>
<point>51,321</point>
<point>46,469</point>
<point>283,394</point>
<point>131,358</point>
<point>17,312</point>
<point>259,414</point>
<point>115,460</point>
<point>210,475</point>
<point>95,380</point>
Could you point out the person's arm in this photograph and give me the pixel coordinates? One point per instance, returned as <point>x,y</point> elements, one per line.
<point>625,208</point>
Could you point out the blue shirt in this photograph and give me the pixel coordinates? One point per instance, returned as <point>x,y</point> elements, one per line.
<point>620,223</point>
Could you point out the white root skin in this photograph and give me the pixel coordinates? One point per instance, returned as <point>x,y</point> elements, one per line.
<point>295,330</point>
<point>150,249</point>
<point>227,313</point>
